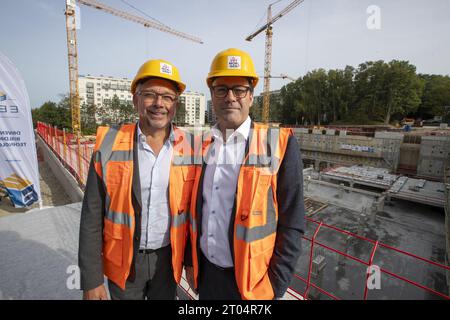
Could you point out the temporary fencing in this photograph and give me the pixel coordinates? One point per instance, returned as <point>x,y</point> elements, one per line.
<point>74,152</point>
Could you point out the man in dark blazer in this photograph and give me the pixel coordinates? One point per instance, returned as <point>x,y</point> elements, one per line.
<point>221,191</point>
<point>149,274</point>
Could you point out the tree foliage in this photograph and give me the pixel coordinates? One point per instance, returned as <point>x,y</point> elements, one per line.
<point>372,93</point>
<point>59,114</point>
<point>435,97</point>
<point>56,114</point>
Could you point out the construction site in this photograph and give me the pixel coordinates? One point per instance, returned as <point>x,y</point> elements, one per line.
<point>359,217</point>
<point>374,201</point>
<point>377,203</point>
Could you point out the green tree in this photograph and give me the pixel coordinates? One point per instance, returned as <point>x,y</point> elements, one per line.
<point>64,118</point>
<point>435,97</point>
<point>292,108</point>
<point>255,111</point>
<point>115,111</point>
<point>88,120</point>
<point>127,112</point>
<point>340,93</point>
<point>314,96</point>
<point>53,114</point>
<point>368,90</point>
<point>387,88</point>
<point>46,113</point>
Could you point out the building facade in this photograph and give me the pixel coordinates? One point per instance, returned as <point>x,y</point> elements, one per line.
<point>99,91</point>
<point>191,110</point>
<point>210,116</point>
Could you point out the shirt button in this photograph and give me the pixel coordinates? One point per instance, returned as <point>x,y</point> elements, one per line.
<point>217,188</point>
<point>210,235</point>
<point>214,211</point>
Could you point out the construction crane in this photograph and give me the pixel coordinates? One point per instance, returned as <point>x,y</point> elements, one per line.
<point>282,76</point>
<point>72,47</point>
<point>268,54</point>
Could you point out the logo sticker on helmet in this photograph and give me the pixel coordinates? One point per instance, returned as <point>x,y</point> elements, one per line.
<point>234,62</point>
<point>165,68</point>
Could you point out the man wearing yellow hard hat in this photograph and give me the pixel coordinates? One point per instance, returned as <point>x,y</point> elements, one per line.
<point>134,217</point>
<point>247,210</point>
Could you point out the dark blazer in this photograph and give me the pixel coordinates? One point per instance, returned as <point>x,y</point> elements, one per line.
<point>90,258</point>
<point>291,218</point>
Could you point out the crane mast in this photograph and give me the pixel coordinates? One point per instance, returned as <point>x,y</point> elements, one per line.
<point>72,47</point>
<point>267,67</point>
<point>268,51</point>
<point>74,96</point>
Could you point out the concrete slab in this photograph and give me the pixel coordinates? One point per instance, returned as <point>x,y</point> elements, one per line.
<point>419,190</point>
<point>37,248</point>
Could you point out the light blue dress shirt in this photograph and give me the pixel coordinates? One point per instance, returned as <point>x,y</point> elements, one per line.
<point>219,192</point>
<point>154,174</point>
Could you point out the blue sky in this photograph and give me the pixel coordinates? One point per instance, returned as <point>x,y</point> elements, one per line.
<point>317,34</point>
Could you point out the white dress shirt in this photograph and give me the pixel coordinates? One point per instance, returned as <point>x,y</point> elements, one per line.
<point>219,192</point>
<point>154,175</point>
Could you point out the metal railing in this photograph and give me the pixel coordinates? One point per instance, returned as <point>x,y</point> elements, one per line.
<point>74,153</point>
<point>369,263</point>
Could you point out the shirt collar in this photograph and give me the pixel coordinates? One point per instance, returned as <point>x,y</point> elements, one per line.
<point>243,130</point>
<point>142,138</point>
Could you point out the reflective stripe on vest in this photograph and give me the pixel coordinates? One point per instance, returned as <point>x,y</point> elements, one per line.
<point>180,219</point>
<point>260,232</point>
<point>119,218</point>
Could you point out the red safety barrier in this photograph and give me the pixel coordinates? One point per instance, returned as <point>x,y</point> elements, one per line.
<point>369,263</point>
<point>73,153</point>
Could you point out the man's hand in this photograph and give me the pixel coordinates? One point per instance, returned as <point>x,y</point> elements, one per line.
<point>190,278</point>
<point>98,293</point>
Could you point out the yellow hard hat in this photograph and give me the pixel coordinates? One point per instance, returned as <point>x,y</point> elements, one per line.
<point>232,63</point>
<point>159,69</point>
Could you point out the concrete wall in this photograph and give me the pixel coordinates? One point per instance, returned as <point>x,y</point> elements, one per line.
<point>434,156</point>
<point>67,181</point>
<point>409,156</point>
<point>382,151</point>
<point>447,220</point>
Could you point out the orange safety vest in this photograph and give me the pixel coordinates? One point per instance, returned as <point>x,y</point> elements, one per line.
<point>256,214</point>
<point>113,162</point>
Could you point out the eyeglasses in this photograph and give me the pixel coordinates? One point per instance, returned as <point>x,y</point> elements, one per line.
<point>150,97</point>
<point>239,92</point>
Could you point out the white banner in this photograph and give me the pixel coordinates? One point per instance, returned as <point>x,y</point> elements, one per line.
<point>19,175</point>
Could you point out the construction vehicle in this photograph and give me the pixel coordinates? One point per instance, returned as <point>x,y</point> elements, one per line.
<point>407,121</point>
<point>268,51</point>
<point>72,46</point>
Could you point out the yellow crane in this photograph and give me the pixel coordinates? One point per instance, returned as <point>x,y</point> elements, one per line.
<point>268,54</point>
<point>282,76</point>
<point>72,46</point>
